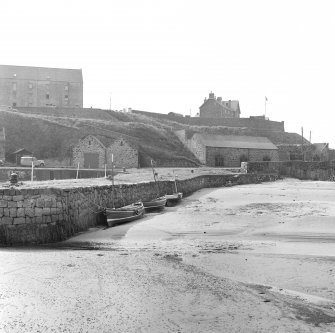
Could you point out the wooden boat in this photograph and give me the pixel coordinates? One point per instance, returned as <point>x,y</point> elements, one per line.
<point>157,203</point>
<point>173,199</point>
<point>124,214</point>
<point>115,216</point>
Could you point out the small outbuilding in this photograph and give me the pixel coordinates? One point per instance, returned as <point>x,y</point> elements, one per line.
<point>94,151</point>
<point>15,157</point>
<point>89,153</point>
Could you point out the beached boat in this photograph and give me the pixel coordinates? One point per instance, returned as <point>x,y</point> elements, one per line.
<point>124,214</point>
<point>173,199</point>
<point>157,203</point>
<point>115,216</point>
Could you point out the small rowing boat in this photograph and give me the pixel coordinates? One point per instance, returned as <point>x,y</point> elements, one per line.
<point>154,204</point>
<point>173,199</point>
<point>124,214</point>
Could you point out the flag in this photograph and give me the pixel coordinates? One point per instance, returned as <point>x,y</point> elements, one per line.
<point>266,99</point>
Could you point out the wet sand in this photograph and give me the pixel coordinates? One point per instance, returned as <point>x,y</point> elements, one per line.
<point>251,258</point>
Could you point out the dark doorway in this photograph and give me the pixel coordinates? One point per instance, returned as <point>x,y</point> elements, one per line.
<point>91,160</point>
<point>219,161</point>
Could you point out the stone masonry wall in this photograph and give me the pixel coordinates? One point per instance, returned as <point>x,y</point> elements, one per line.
<point>198,149</point>
<point>89,144</point>
<point>324,171</point>
<point>124,155</point>
<point>33,216</point>
<point>232,156</point>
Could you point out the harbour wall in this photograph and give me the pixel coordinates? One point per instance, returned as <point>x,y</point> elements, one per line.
<point>45,215</point>
<point>324,171</point>
<point>24,174</point>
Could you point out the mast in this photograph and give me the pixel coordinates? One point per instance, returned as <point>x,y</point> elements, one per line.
<point>154,173</point>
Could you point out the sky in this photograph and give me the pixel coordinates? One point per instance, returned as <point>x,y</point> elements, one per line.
<point>167,56</point>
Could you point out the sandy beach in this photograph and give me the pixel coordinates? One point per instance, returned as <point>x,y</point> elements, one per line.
<point>249,258</point>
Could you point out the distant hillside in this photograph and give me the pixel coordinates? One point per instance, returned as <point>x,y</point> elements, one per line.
<point>52,135</point>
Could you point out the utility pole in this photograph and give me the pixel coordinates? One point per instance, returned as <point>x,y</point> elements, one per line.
<point>266,99</point>
<point>302,143</point>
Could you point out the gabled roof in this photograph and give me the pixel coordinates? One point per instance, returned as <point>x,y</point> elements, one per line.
<point>107,141</point>
<point>21,150</point>
<point>319,147</point>
<point>94,137</point>
<point>231,105</point>
<point>40,73</point>
<point>235,141</point>
<point>223,106</point>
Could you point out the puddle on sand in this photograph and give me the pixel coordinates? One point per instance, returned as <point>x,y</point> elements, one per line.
<point>294,248</point>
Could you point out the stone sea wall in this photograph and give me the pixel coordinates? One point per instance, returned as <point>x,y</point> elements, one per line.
<point>324,171</point>
<point>24,174</point>
<point>37,216</point>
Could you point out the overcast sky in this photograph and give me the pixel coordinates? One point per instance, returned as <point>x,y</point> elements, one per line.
<point>163,56</point>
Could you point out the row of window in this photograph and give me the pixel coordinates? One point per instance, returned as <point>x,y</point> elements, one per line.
<point>47,96</point>
<point>31,85</point>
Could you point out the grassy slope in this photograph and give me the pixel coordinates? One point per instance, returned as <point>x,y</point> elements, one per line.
<point>50,136</point>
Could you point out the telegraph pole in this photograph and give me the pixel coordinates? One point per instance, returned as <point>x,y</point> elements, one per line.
<point>266,99</point>
<point>302,143</point>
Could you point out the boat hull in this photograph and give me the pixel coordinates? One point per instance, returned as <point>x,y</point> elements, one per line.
<point>124,214</point>
<point>155,204</point>
<point>173,199</point>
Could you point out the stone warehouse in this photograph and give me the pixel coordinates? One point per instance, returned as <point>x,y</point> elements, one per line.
<point>23,86</point>
<point>2,144</point>
<point>93,152</point>
<point>217,108</point>
<point>229,150</point>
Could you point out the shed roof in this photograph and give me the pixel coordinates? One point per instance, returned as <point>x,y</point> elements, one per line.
<point>319,147</point>
<point>21,151</point>
<point>235,141</point>
<point>40,73</point>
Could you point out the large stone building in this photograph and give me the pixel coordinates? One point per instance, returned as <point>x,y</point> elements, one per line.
<point>213,107</point>
<point>2,144</point>
<point>23,86</point>
<point>93,152</point>
<point>229,150</point>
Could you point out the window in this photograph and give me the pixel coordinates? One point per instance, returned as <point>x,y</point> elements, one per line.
<point>66,88</point>
<point>30,85</point>
<point>66,96</point>
<point>14,86</point>
<point>47,96</point>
